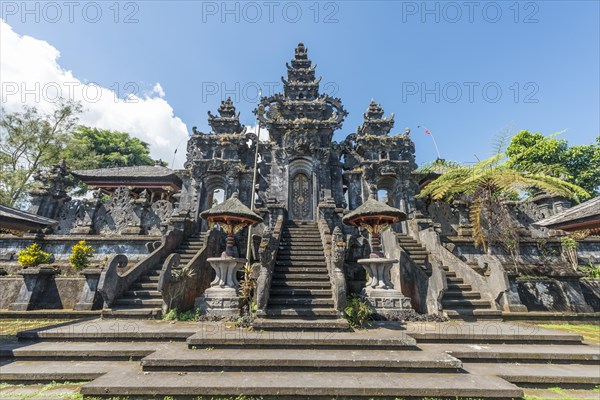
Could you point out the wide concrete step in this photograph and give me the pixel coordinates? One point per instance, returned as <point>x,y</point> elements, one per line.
<point>465,303</point>
<point>282,384</point>
<point>539,374</point>
<point>132,312</point>
<point>303,311</point>
<point>282,283</point>
<point>301,301</point>
<point>179,357</point>
<point>531,353</point>
<point>312,325</point>
<point>60,371</point>
<point>488,332</point>
<point>210,335</point>
<point>73,350</point>
<point>275,292</point>
<point>459,286</point>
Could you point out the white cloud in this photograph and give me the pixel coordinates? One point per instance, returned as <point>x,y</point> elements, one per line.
<point>30,74</point>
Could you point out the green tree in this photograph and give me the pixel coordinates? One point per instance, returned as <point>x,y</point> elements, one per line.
<point>30,141</point>
<point>579,165</point>
<point>100,148</point>
<point>488,185</point>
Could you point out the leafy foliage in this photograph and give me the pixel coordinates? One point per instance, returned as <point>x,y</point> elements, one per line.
<point>579,165</point>
<point>91,148</point>
<point>80,255</point>
<point>32,256</point>
<point>488,185</point>
<point>175,315</point>
<point>358,312</point>
<point>30,141</point>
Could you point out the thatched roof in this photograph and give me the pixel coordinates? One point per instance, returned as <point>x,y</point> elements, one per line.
<point>373,208</point>
<point>232,208</point>
<point>12,219</point>
<point>583,216</point>
<point>138,176</point>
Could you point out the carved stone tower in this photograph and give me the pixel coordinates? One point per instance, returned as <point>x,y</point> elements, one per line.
<point>300,166</point>
<point>220,161</point>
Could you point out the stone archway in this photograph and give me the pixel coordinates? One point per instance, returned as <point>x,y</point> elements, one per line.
<point>301,202</point>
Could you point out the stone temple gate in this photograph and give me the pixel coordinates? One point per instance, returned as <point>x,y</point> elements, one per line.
<point>300,167</point>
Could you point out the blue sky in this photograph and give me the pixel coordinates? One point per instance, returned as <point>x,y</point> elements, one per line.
<point>543,56</point>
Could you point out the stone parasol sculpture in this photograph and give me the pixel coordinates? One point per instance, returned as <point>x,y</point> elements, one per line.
<point>376,217</point>
<point>221,298</point>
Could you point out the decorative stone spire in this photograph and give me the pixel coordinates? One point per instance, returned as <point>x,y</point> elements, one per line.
<point>228,122</point>
<point>375,123</point>
<point>301,83</point>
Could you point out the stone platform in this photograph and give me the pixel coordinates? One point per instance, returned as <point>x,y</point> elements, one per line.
<point>443,360</point>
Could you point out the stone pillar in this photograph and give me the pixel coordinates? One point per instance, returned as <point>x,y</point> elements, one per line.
<point>90,298</point>
<point>221,298</point>
<point>379,291</point>
<point>33,292</point>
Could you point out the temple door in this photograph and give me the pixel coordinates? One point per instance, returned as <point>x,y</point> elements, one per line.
<point>301,198</point>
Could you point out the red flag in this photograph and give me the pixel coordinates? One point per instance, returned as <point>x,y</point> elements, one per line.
<point>427,131</point>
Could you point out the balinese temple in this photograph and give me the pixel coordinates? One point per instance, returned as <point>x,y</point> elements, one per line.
<point>582,217</point>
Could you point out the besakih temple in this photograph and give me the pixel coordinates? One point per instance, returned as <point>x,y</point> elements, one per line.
<point>144,224</point>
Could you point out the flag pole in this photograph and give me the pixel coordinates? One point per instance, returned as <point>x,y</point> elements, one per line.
<point>428,132</point>
<point>254,179</point>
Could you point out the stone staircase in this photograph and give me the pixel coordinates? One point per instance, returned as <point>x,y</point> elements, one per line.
<point>461,301</point>
<point>415,251</point>
<point>143,299</point>
<point>300,296</point>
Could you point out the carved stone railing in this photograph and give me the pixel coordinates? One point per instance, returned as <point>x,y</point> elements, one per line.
<point>424,291</point>
<point>180,285</point>
<point>267,253</point>
<point>493,285</point>
<point>334,248</point>
<point>113,284</point>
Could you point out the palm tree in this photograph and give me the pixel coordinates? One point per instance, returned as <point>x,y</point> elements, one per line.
<point>488,185</point>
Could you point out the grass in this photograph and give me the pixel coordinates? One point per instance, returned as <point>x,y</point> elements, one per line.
<point>590,333</point>
<point>10,327</point>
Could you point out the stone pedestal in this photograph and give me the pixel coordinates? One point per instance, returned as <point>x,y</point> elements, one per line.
<point>36,284</point>
<point>221,298</point>
<point>379,291</point>
<point>90,297</point>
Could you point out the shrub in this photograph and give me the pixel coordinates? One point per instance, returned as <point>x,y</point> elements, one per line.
<point>175,315</point>
<point>358,312</point>
<point>592,271</point>
<point>32,256</point>
<point>80,255</point>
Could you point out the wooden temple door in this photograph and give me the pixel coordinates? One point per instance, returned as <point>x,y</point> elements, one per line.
<point>301,198</point>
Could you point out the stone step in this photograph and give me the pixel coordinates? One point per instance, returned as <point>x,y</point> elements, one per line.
<point>72,350</point>
<point>455,280</point>
<point>450,274</point>
<point>465,303</point>
<point>138,302</point>
<point>286,257</point>
<point>310,270</point>
<point>291,324</point>
<point>488,332</point>
<point>148,285</point>
<point>278,283</point>
<point>149,278</point>
<point>179,357</point>
<point>134,312</point>
<point>300,277</point>
<point>142,293</point>
<point>306,301</point>
<point>470,313</point>
<point>60,371</point>
<point>286,384</point>
<point>539,374</point>
<point>304,312</point>
<point>459,294</point>
<point>581,354</point>
<point>275,292</point>
<point>459,286</point>
<point>318,252</point>
<point>417,253</point>
<point>288,263</point>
